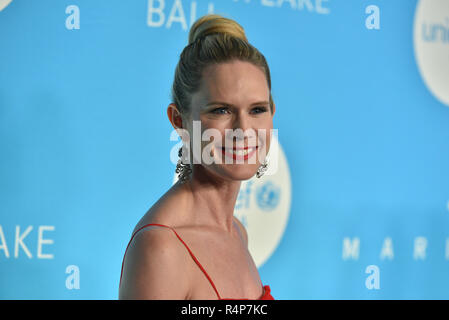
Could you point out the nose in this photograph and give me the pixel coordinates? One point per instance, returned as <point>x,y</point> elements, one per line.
<point>241,122</point>
<point>242,127</point>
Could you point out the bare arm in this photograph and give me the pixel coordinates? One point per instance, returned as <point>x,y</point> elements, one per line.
<point>155,267</point>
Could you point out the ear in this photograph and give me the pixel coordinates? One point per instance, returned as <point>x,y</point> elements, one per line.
<point>174,116</point>
<point>274,109</point>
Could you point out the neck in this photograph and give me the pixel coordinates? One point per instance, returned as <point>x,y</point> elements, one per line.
<point>213,198</point>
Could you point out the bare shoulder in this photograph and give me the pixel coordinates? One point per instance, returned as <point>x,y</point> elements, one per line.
<point>171,210</point>
<point>151,266</point>
<point>242,229</point>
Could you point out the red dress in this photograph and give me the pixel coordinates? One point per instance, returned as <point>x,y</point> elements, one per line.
<point>266,289</point>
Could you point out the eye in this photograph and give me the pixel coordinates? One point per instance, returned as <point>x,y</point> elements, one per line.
<point>260,109</point>
<point>221,110</point>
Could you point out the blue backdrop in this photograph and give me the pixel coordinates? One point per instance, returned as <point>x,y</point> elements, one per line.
<point>85,143</point>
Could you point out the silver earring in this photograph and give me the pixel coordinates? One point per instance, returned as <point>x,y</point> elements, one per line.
<point>260,172</point>
<point>182,169</point>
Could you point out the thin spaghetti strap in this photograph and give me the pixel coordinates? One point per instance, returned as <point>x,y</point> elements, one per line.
<point>188,249</point>
<point>198,263</point>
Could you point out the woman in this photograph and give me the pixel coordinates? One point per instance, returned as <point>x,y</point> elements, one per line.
<point>189,245</point>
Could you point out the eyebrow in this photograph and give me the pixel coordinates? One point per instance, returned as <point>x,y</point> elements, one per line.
<point>231,105</point>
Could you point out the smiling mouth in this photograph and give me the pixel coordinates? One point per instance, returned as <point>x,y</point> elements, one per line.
<point>239,152</point>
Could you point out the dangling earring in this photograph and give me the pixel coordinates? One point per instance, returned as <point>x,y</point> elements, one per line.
<point>260,172</point>
<point>182,169</point>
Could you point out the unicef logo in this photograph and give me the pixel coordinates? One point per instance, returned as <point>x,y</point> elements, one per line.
<point>268,196</point>
<point>431,43</point>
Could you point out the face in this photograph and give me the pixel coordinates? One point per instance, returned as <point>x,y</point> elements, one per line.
<point>232,107</point>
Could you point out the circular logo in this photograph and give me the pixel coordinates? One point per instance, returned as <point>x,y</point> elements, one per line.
<point>263,205</point>
<point>4,4</point>
<point>431,43</point>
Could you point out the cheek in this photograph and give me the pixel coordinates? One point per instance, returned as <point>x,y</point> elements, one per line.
<point>265,134</point>
<point>212,138</point>
<point>212,130</point>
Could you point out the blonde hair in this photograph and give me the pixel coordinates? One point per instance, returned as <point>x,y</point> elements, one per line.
<point>212,39</point>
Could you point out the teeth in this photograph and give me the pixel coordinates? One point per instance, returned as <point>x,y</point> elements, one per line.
<point>241,152</point>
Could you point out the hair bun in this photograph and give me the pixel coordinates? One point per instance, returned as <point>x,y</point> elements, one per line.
<point>214,23</point>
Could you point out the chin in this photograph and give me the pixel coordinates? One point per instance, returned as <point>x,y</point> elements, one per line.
<point>238,172</point>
